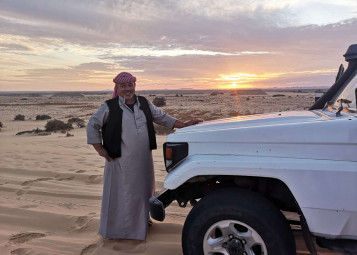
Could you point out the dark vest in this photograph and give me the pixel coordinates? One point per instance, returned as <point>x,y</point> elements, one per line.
<point>111,130</point>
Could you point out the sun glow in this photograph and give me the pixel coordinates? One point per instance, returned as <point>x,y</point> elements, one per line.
<point>237,80</point>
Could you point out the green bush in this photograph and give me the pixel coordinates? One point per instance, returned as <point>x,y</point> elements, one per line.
<point>57,125</point>
<point>19,117</point>
<point>159,101</point>
<point>43,117</point>
<point>79,122</point>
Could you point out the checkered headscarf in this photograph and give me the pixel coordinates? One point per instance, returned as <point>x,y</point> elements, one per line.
<point>123,77</point>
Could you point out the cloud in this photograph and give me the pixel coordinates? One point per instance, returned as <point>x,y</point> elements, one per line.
<point>14,47</point>
<point>172,41</point>
<point>184,24</point>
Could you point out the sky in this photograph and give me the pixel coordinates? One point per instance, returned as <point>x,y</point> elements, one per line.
<point>67,45</point>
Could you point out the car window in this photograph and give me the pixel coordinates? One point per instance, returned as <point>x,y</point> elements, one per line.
<point>347,94</point>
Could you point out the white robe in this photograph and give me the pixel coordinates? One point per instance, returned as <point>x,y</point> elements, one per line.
<point>129,180</point>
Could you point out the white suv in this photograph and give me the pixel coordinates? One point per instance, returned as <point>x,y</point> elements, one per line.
<point>246,171</point>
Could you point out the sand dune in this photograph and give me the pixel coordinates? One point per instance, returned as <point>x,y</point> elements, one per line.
<point>50,186</point>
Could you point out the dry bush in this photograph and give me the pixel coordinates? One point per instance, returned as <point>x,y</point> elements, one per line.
<point>19,117</point>
<point>79,122</point>
<point>57,125</point>
<point>234,114</point>
<point>24,132</point>
<point>162,130</point>
<point>43,117</point>
<point>36,131</point>
<point>0,124</point>
<point>159,101</point>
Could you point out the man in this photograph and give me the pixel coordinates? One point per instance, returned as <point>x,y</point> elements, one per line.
<point>122,132</point>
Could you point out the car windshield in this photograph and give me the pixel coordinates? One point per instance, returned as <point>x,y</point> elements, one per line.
<point>347,95</point>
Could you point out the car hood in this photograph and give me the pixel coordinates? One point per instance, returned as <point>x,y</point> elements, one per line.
<point>298,134</point>
<point>277,118</point>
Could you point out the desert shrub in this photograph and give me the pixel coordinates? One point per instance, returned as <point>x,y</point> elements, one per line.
<point>57,125</point>
<point>79,122</point>
<point>0,124</point>
<point>161,130</point>
<point>24,132</point>
<point>69,134</point>
<point>19,117</point>
<point>247,99</point>
<point>159,101</point>
<point>234,113</point>
<point>43,117</point>
<point>278,95</point>
<point>36,131</point>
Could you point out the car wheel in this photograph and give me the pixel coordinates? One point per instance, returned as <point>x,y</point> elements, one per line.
<point>238,222</point>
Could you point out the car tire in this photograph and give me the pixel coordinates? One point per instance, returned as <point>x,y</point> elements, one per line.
<point>236,221</point>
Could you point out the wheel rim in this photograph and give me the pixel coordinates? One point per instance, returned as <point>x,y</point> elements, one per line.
<point>231,237</point>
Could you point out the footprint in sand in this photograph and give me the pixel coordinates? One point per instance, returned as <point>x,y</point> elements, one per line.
<point>92,248</point>
<point>65,178</point>
<point>28,206</point>
<point>25,237</point>
<point>94,179</point>
<point>130,246</point>
<point>82,223</point>
<point>33,181</point>
<point>67,205</point>
<point>21,251</point>
<point>20,192</point>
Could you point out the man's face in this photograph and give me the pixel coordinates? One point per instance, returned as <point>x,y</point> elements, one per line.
<point>126,90</point>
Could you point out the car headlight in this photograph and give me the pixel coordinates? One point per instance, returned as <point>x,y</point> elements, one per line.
<point>174,153</point>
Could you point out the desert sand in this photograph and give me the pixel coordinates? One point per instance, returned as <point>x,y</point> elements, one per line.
<point>51,185</point>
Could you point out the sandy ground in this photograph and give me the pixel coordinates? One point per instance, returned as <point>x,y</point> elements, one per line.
<point>50,186</point>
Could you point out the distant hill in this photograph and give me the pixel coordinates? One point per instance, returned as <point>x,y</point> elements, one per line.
<point>67,94</point>
<point>208,91</point>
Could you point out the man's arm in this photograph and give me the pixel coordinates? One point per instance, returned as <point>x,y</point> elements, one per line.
<point>94,127</point>
<point>101,151</point>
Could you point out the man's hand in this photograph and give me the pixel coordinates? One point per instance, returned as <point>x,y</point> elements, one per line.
<point>192,122</point>
<point>180,124</point>
<point>102,152</point>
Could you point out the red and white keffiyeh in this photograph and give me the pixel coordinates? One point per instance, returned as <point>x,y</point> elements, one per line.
<point>123,77</point>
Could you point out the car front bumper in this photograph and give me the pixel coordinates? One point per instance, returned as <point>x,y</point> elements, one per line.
<point>159,202</point>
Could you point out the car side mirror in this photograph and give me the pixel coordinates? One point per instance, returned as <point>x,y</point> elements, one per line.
<point>341,70</point>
